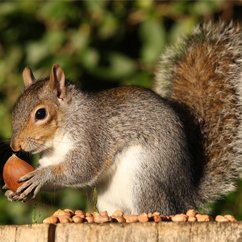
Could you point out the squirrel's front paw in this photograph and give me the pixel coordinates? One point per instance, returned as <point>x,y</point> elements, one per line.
<point>9,195</point>
<point>33,181</point>
<point>12,196</point>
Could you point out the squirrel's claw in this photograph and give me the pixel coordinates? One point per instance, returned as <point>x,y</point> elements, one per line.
<point>33,182</point>
<point>10,195</point>
<point>27,176</point>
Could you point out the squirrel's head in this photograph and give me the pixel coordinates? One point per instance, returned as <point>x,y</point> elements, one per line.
<point>37,113</point>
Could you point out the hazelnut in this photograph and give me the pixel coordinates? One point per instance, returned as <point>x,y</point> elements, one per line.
<point>13,170</point>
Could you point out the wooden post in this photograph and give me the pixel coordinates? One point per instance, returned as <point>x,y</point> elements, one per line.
<point>135,232</point>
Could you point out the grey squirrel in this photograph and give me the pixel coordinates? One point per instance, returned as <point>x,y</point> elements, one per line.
<point>143,151</point>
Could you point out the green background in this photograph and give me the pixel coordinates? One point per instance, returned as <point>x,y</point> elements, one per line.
<point>99,44</point>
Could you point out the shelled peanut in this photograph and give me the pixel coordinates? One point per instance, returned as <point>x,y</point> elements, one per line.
<point>225,218</point>
<point>79,216</point>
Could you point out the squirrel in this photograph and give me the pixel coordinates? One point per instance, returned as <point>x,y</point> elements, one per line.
<point>169,149</point>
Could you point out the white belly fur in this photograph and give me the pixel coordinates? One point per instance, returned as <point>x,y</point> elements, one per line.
<point>61,144</point>
<point>116,192</point>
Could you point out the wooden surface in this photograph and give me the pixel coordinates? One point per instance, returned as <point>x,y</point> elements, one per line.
<point>162,232</point>
<point>25,233</point>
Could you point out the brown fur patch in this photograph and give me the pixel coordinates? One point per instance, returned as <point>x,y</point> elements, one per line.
<point>208,95</point>
<point>41,131</point>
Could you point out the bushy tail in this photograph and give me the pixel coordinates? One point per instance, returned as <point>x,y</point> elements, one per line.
<point>203,74</point>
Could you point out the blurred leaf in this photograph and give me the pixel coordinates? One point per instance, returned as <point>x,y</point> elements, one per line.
<point>73,198</point>
<point>205,7</point>
<point>108,27</point>
<point>2,70</point>
<point>141,79</point>
<point>89,58</point>
<point>37,51</point>
<point>63,60</point>
<point>78,40</point>
<point>153,38</point>
<point>57,11</point>
<point>13,57</point>
<point>7,8</point>
<point>4,117</point>
<point>55,39</point>
<point>144,4</point>
<point>96,6</point>
<point>119,66</point>
<point>182,7</point>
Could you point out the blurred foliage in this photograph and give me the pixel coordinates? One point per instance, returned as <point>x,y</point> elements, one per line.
<point>101,44</point>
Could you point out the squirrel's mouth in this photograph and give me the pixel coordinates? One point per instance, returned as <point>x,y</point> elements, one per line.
<point>39,150</point>
<point>35,148</point>
<point>35,151</point>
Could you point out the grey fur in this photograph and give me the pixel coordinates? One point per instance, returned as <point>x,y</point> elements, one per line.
<point>177,175</point>
<point>102,126</point>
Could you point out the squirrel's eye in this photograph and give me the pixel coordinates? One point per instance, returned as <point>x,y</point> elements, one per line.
<point>40,114</point>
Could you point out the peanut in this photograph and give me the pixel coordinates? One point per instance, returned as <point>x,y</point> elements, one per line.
<point>117,213</point>
<point>80,213</point>
<point>88,214</point>
<point>156,214</point>
<point>157,218</point>
<point>69,211</point>
<point>60,212</point>
<point>119,219</point>
<point>143,217</point>
<point>89,219</point>
<point>101,219</point>
<point>64,219</point>
<point>131,218</point>
<point>220,218</point>
<point>51,220</point>
<point>77,219</point>
<point>191,219</point>
<point>191,213</point>
<point>231,218</point>
<point>179,218</point>
<point>69,216</point>
<point>203,218</point>
<point>104,214</point>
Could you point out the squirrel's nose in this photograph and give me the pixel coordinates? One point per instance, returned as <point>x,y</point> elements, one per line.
<point>15,146</point>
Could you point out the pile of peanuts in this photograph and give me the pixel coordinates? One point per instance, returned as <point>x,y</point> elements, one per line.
<point>78,216</point>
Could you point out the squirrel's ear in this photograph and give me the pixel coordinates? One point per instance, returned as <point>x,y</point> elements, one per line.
<point>57,81</point>
<point>28,77</point>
